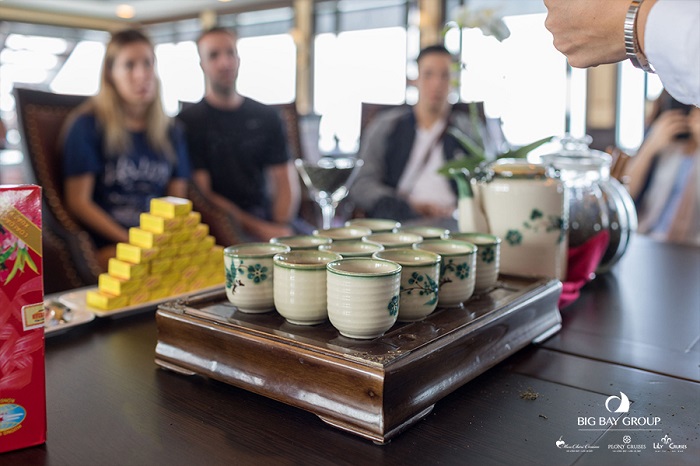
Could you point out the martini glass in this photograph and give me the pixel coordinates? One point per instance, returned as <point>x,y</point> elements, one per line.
<point>328,181</point>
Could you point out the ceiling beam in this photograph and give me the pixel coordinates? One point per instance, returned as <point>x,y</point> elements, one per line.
<point>62,19</point>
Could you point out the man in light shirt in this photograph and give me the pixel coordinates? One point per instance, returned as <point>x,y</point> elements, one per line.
<point>404,147</point>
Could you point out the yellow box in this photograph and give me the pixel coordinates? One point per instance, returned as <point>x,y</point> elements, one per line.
<point>187,248</point>
<point>170,206</point>
<point>191,220</point>
<point>198,283</point>
<point>161,292</point>
<point>205,244</point>
<point>216,255</point>
<point>170,279</point>
<point>169,251</point>
<point>152,281</point>
<point>147,239</point>
<point>161,266</point>
<point>156,224</point>
<point>180,236</point>
<point>200,231</point>
<point>201,259</point>
<point>141,296</point>
<point>126,270</point>
<point>135,254</point>
<point>116,286</point>
<point>105,301</point>
<point>180,262</point>
<point>180,288</point>
<point>190,272</point>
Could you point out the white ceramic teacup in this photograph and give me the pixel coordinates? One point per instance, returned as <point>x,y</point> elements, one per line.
<point>249,275</point>
<point>352,248</point>
<point>487,258</point>
<point>301,242</point>
<point>420,275</point>
<point>300,285</point>
<point>377,225</point>
<point>363,296</point>
<point>344,233</point>
<point>457,269</point>
<point>394,240</point>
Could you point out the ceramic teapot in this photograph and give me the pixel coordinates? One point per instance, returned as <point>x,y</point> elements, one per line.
<point>524,204</point>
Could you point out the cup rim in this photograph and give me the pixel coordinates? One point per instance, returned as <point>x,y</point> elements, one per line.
<point>468,248</point>
<point>417,229</point>
<point>295,241</point>
<point>359,232</point>
<point>490,239</point>
<point>381,224</point>
<point>393,238</point>
<point>394,255</point>
<point>336,267</point>
<point>362,247</point>
<point>249,249</point>
<point>283,259</point>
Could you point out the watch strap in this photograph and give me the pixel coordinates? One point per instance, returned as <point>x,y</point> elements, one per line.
<point>632,49</point>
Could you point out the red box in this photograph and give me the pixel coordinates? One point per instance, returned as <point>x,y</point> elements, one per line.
<point>22,377</point>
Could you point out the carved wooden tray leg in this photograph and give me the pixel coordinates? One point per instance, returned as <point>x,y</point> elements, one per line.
<point>378,439</point>
<point>173,367</point>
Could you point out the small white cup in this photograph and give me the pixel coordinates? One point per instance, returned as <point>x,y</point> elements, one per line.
<point>394,240</point>
<point>302,242</point>
<point>352,248</point>
<point>457,269</point>
<point>249,275</point>
<point>377,225</point>
<point>300,285</point>
<point>487,258</point>
<point>363,296</point>
<point>420,275</point>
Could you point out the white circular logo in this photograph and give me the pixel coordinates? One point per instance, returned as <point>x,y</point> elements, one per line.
<point>624,404</point>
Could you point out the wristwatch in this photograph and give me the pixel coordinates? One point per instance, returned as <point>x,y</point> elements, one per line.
<point>634,53</point>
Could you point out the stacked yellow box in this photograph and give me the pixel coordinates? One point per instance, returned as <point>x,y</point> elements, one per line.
<point>170,253</point>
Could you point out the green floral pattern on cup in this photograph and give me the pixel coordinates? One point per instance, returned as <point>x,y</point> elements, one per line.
<point>488,255</point>
<point>393,306</point>
<point>536,222</point>
<point>257,273</point>
<point>231,277</point>
<point>423,285</point>
<point>460,271</point>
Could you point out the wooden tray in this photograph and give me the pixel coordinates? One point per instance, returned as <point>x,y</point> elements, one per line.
<point>374,388</point>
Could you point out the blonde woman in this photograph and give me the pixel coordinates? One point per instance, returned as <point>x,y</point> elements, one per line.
<point>120,149</point>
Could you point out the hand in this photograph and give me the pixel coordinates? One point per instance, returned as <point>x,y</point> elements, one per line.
<point>665,129</point>
<point>264,231</point>
<point>588,32</point>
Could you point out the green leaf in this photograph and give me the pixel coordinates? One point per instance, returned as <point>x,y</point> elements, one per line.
<point>521,152</point>
<point>31,264</point>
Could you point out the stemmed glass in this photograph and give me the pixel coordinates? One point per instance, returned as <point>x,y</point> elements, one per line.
<point>328,180</point>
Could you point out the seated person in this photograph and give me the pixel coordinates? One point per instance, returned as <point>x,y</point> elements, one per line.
<point>404,147</point>
<point>120,148</point>
<point>238,146</point>
<point>664,176</point>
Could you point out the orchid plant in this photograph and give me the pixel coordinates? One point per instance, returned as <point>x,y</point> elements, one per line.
<point>489,20</point>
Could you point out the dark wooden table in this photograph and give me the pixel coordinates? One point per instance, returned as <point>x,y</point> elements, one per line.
<point>633,331</point>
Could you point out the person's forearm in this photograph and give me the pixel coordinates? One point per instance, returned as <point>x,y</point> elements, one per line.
<point>638,170</point>
<point>96,219</point>
<point>253,225</point>
<point>287,198</point>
